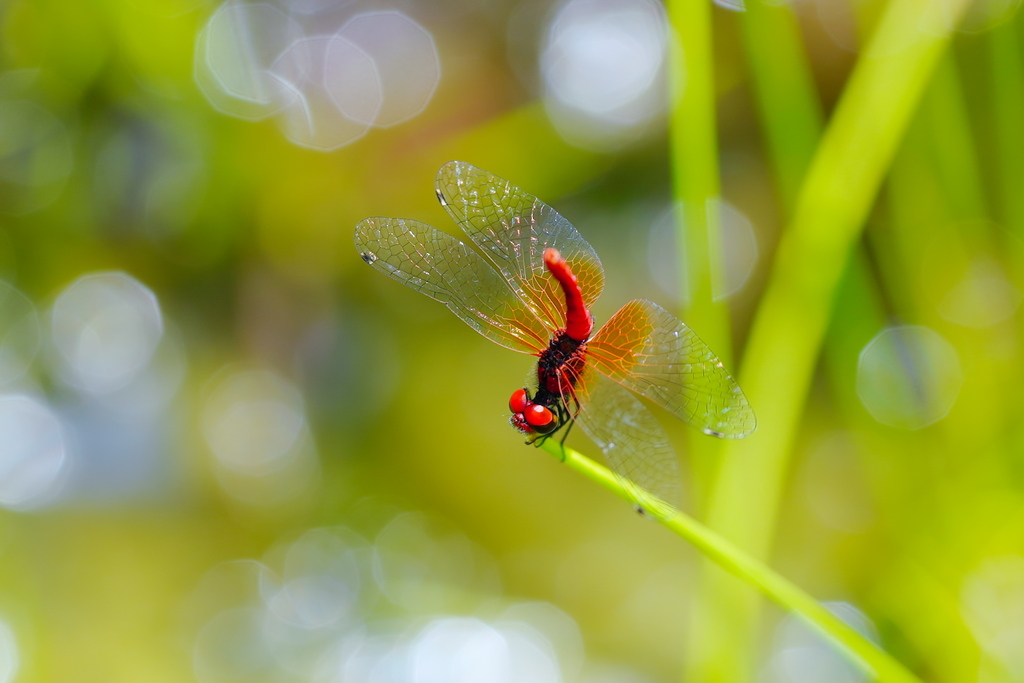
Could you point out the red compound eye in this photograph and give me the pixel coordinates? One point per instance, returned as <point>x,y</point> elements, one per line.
<point>540,418</point>
<point>519,401</point>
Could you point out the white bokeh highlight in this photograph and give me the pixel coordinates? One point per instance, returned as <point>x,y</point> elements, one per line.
<point>558,630</point>
<point>234,52</point>
<point>312,611</point>
<point>33,453</point>
<point>105,329</point>
<point>320,580</point>
<point>320,73</point>
<point>230,647</point>
<point>10,660</point>
<point>253,420</point>
<point>738,249</point>
<point>804,656</point>
<point>908,376</point>
<point>467,650</point>
<point>254,423</point>
<point>602,67</point>
<point>417,573</point>
<point>406,61</point>
<point>980,296</point>
<point>328,87</point>
<point>992,602</point>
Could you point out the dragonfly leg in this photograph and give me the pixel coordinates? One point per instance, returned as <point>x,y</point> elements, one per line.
<point>567,417</point>
<point>565,434</point>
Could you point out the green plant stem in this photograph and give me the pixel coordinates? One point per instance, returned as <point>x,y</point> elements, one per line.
<point>791,115</point>
<point>792,120</point>
<point>836,196</point>
<point>743,566</point>
<point>694,148</point>
<point>1007,93</point>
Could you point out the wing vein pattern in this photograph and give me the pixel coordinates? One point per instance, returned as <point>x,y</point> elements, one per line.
<point>646,349</point>
<point>513,228</point>
<point>635,446</point>
<point>440,266</point>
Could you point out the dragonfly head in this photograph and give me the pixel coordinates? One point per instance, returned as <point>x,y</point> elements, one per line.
<point>529,417</point>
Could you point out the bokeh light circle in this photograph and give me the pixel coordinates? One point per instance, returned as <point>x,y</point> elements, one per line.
<point>467,650</point>
<point>231,647</point>
<point>601,66</point>
<point>10,661</point>
<point>738,249</point>
<point>234,52</point>
<point>415,570</point>
<point>803,656</point>
<point>336,92</point>
<point>328,89</point>
<point>406,61</point>
<point>321,581</point>
<point>33,454</point>
<point>908,376</point>
<point>967,281</point>
<point>105,327</point>
<point>557,628</point>
<point>982,297</point>
<point>992,601</point>
<point>252,421</point>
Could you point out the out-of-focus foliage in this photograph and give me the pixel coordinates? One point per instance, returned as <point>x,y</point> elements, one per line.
<point>230,451</point>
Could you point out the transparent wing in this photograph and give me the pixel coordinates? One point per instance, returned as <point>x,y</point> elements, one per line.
<point>634,445</point>
<point>513,228</point>
<point>446,270</point>
<point>646,349</point>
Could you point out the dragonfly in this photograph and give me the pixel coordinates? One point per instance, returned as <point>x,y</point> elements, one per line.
<point>529,285</point>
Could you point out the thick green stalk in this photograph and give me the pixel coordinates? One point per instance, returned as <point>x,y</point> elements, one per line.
<point>862,652</point>
<point>694,148</point>
<point>1007,91</point>
<point>792,119</point>
<point>791,114</point>
<point>952,147</point>
<point>851,161</point>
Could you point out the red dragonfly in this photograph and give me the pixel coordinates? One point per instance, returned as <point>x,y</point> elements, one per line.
<point>531,292</point>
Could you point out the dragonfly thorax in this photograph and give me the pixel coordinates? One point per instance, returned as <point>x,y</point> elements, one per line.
<point>559,366</point>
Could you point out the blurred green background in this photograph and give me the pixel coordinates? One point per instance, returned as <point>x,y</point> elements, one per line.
<point>229,451</point>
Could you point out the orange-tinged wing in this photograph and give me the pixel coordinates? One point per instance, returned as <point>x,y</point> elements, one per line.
<point>646,349</point>
<point>513,228</point>
<point>634,445</point>
<point>446,270</point>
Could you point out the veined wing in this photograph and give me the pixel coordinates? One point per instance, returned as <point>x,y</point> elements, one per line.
<point>513,228</point>
<point>446,270</point>
<point>634,445</point>
<point>645,348</point>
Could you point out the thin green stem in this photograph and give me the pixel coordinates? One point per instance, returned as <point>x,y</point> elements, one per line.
<point>791,117</point>
<point>862,652</point>
<point>829,212</point>
<point>1006,89</point>
<point>694,147</point>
